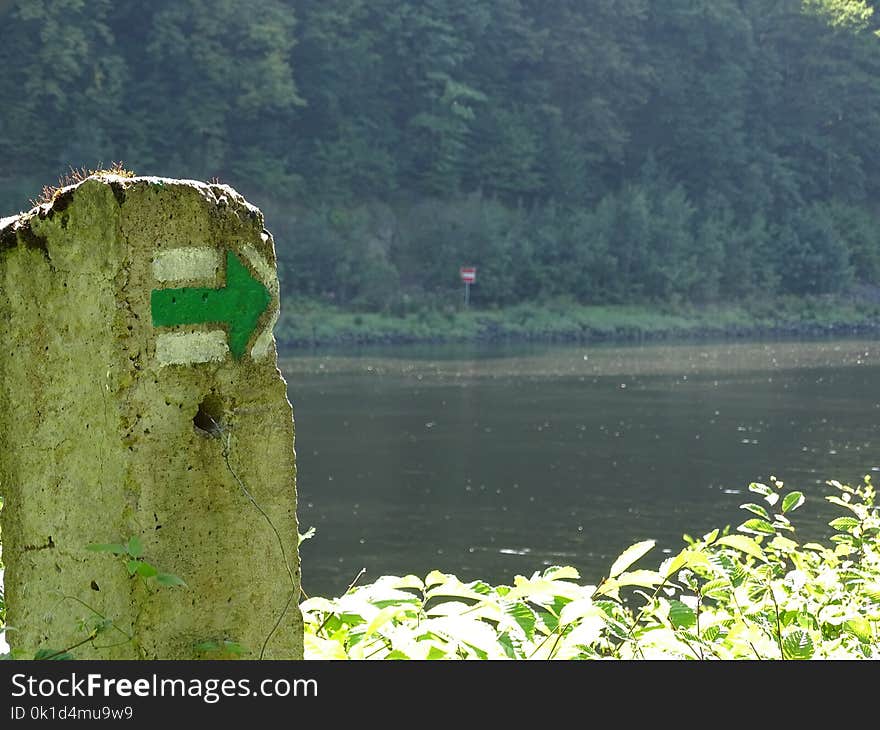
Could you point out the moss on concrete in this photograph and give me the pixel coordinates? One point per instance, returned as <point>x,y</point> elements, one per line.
<point>98,435</point>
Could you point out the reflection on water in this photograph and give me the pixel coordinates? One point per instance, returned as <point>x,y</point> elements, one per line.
<point>492,461</point>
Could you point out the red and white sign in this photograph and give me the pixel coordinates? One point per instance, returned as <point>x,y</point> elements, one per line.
<point>468,274</point>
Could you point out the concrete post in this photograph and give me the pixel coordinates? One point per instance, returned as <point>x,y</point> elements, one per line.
<point>140,398</point>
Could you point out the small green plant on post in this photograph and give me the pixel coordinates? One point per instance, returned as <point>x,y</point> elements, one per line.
<point>131,553</point>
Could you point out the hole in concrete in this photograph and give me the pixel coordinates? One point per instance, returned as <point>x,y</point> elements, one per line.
<point>208,420</point>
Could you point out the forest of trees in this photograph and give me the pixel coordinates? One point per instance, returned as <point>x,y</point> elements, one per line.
<point>606,151</point>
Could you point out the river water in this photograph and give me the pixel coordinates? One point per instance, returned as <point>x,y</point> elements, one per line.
<point>491,461</point>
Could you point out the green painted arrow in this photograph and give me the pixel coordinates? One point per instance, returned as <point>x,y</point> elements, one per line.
<point>239,304</point>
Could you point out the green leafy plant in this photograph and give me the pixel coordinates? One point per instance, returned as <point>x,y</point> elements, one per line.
<point>132,553</point>
<point>755,593</point>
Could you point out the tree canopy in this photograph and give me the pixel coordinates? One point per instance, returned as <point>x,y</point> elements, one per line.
<point>604,150</point>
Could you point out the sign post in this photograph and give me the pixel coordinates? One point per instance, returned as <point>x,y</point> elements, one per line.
<point>468,276</point>
<point>146,434</point>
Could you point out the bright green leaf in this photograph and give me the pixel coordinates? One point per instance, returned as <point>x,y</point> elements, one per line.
<point>409,581</point>
<point>731,568</point>
<point>687,558</point>
<point>718,588</point>
<point>630,556</point>
<point>744,544</point>
<point>480,586</point>
<point>576,610</point>
<point>681,615</point>
<point>859,627</point>
<point>454,588</point>
<point>543,591</point>
<point>616,628</point>
<point>318,648</point>
<point>759,527</point>
<point>168,579</point>
<point>318,603</point>
<point>756,509</point>
<point>609,587</point>
<point>643,578</point>
<point>797,644</point>
<point>523,615</point>
<point>380,619</point>
<point>481,653</point>
<point>792,501</point>
<point>838,501</point>
<point>135,547</point>
<point>561,572</point>
<point>436,652</point>
<point>844,524</point>
<point>783,544</point>
<point>507,645</point>
<point>815,546</point>
<point>435,577</point>
<point>759,488</point>
<point>145,570</point>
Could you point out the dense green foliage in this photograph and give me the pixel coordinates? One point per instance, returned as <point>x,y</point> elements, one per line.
<point>752,593</point>
<point>755,593</point>
<point>307,323</point>
<point>610,151</point>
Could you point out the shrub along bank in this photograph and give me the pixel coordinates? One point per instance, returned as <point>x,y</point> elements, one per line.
<point>751,593</point>
<point>306,323</point>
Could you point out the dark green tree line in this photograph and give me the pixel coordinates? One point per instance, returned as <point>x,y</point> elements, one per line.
<point>610,151</point>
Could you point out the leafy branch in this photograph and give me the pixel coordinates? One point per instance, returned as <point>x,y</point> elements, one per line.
<point>745,594</point>
<point>132,554</point>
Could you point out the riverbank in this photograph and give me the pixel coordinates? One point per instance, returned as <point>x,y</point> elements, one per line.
<point>305,324</point>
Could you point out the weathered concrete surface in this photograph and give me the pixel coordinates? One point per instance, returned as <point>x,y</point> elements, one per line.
<point>98,440</point>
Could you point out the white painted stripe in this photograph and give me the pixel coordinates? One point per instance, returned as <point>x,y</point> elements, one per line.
<point>264,341</point>
<point>185,348</point>
<point>184,264</point>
